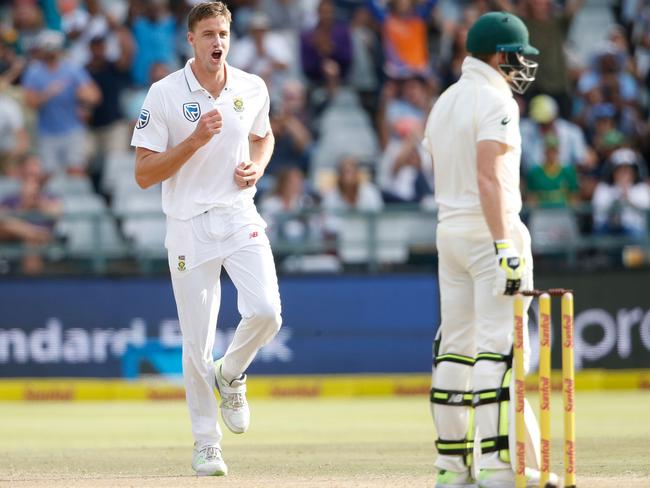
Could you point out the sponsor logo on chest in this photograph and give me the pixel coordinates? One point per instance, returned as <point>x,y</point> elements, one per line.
<point>192,111</point>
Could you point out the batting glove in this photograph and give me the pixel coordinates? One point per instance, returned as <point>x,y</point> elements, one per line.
<point>510,268</point>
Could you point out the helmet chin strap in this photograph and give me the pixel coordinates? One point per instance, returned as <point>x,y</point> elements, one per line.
<point>518,71</point>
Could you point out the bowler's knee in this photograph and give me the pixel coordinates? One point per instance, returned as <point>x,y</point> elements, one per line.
<point>267,316</point>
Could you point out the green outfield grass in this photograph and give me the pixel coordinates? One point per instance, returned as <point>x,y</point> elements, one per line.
<point>361,442</point>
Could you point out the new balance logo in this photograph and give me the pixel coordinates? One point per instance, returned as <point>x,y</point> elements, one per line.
<point>253,235</point>
<point>455,398</point>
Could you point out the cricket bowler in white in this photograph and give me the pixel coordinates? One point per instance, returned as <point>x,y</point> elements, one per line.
<point>204,132</point>
<point>484,258</point>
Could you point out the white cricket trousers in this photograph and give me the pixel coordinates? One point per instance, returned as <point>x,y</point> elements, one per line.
<point>473,321</point>
<point>232,238</point>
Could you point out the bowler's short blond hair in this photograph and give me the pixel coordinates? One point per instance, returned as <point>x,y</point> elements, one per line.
<point>205,10</point>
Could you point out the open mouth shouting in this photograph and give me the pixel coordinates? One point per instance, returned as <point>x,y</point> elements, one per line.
<point>217,54</point>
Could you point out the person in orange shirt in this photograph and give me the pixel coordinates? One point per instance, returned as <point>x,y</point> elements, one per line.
<point>404,36</point>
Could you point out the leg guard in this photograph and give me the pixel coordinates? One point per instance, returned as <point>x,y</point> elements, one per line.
<point>451,407</point>
<point>491,401</point>
<point>502,437</point>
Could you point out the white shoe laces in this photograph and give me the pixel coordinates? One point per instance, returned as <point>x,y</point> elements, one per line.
<point>211,453</point>
<point>234,401</point>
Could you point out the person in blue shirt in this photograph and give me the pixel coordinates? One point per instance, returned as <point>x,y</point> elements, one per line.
<point>155,37</point>
<point>61,93</point>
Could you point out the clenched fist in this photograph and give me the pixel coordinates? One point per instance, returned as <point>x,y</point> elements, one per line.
<point>208,125</point>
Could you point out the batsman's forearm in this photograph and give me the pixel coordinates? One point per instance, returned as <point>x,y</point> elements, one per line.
<point>152,167</point>
<point>262,150</point>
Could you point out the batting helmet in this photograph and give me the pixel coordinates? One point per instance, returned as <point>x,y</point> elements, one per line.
<point>504,32</point>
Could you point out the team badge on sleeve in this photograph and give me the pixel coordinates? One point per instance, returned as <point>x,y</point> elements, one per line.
<point>238,104</point>
<point>192,111</point>
<point>143,119</point>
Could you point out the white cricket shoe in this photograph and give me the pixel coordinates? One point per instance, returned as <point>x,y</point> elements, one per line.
<point>453,479</point>
<point>234,407</point>
<point>505,478</point>
<point>207,461</point>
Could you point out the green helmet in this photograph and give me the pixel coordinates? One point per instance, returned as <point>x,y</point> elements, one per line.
<point>502,32</point>
<point>499,32</point>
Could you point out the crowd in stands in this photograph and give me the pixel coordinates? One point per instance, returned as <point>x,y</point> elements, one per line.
<point>351,85</point>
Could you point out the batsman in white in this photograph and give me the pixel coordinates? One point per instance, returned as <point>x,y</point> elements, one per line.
<point>204,132</point>
<point>484,257</point>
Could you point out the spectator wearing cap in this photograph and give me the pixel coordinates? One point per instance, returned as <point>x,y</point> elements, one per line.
<point>543,120</point>
<point>621,204</point>
<point>263,53</point>
<point>62,93</point>
<point>552,184</point>
<point>404,36</point>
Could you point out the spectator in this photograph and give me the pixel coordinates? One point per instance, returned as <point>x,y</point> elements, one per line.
<point>405,173</point>
<point>544,120</point>
<point>82,23</point>
<point>353,191</point>
<point>27,21</point>
<point>37,214</point>
<point>641,40</point>
<point>293,137</point>
<point>11,65</point>
<point>621,204</point>
<point>263,53</point>
<point>326,53</point>
<point>552,184</point>
<point>154,31</point>
<point>605,137</point>
<point>363,75</point>
<point>110,132</point>
<point>62,93</point>
<point>404,35</point>
<point>614,85</point>
<point>403,102</point>
<point>281,209</point>
<point>134,98</point>
<point>451,60</point>
<point>284,14</point>
<point>548,26</point>
<point>14,138</point>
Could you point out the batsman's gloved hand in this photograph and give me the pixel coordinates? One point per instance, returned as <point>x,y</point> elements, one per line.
<point>510,268</point>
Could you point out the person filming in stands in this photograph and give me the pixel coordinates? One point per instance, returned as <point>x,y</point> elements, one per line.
<point>484,257</point>
<point>204,132</point>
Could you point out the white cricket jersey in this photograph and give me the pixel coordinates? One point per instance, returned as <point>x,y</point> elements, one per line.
<point>477,107</point>
<point>169,115</point>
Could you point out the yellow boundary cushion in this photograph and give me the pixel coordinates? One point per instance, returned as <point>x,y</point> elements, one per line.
<point>35,389</point>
